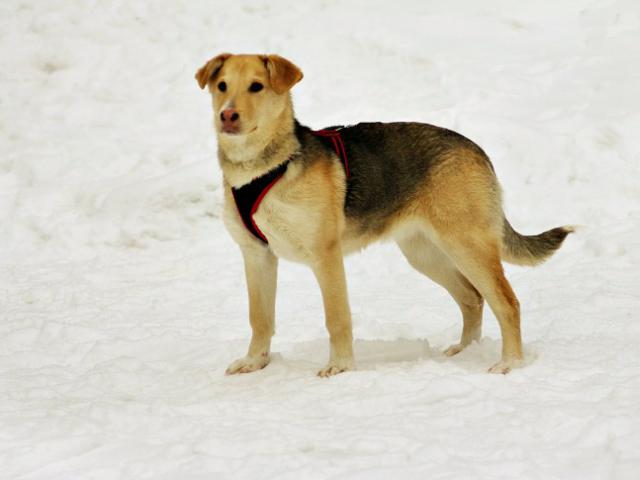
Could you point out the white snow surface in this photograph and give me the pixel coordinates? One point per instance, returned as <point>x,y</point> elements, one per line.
<point>122,297</point>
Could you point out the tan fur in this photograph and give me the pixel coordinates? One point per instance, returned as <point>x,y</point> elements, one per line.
<point>282,73</point>
<point>450,231</point>
<point>207,71</point>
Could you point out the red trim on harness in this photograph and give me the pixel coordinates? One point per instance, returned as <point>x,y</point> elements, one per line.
<point>255,206</point>
<point>338,145</point>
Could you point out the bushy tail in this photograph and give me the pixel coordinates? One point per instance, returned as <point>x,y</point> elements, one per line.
<point>531,249</point>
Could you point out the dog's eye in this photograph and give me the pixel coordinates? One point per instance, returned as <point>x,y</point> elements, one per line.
<point>222,86</point>
<point>255,87</point>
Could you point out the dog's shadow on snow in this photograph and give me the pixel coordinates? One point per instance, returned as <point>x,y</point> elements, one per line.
<point>372,353</point>
<point>377,354</point>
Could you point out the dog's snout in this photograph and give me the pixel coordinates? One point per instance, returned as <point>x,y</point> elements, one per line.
<point>229,115</point>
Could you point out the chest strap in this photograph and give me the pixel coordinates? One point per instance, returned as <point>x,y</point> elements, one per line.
<point>249,196</point>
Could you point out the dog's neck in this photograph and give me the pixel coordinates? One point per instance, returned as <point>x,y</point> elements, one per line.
<point>243,158</point>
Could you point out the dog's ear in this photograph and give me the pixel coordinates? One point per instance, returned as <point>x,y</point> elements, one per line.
<point>209,69</point>
<point>282,73</point>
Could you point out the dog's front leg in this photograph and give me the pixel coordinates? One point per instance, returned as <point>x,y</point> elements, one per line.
<point>329,270</point>
<point>261,271</point>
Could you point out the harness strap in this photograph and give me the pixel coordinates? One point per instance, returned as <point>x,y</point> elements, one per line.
<point>338,146</point>
<point>248,197</point>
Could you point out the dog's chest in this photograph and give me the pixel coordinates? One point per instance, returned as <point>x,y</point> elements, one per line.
<point>289,227</point>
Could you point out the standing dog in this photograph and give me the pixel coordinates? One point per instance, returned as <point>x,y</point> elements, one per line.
<point>313,197</point>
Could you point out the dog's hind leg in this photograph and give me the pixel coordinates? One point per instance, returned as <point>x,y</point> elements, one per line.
<point>477,256</point>
<point>461,206</point>
<point>428,259</point>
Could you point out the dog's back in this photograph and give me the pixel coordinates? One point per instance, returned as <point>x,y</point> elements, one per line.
<point>389,164</point>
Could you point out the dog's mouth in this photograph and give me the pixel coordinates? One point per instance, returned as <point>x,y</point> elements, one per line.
<point>230,129</point>
<point>235,130</point>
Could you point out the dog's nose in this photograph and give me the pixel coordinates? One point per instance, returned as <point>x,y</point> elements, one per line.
<point>229,116</point>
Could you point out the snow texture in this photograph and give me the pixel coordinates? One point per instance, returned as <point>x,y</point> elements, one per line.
<point>123,299</point>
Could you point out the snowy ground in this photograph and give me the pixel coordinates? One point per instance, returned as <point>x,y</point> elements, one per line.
<point>122,298</point>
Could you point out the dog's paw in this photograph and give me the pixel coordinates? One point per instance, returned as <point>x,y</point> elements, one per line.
<point>247,365</point>
<point>453,349</point>
<point>337,366</point>
<point>500,368</point>
<point>505,366</point>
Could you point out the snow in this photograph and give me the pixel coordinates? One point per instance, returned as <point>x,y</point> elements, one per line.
<point>122,297</point>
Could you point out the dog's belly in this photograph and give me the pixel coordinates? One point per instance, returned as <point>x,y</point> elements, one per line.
<point>299,241</point>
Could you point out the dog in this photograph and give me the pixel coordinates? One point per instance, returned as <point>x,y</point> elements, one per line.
<point>314,197</point>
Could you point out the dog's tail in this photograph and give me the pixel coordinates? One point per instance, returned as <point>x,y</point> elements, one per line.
<point>531,249</point>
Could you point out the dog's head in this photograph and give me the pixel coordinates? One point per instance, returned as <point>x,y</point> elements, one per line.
<point>249,91</point>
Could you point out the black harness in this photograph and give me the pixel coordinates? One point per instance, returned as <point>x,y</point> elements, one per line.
<point>248,197</point>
